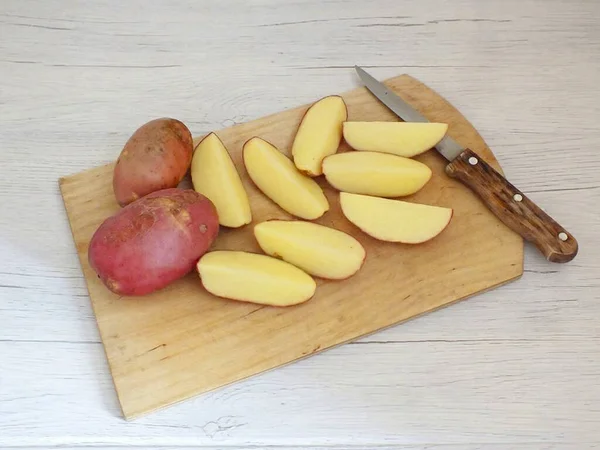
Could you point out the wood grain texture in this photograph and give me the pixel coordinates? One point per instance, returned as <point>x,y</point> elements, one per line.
<point>513,208</point>
<point>77,78</point>
<point>182,341</point>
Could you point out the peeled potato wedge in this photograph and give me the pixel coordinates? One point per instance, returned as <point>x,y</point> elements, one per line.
<point>406,139</point>
<point>254,278</point>
<point>395,220</point>
<point>319,134</point>
<point>277,177</point>
<point>215,176</point>
<point>374,173</point>
<point>318,250</point>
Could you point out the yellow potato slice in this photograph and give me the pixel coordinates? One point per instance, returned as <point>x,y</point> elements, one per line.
<point>394,220</point>
<point>377,174</point>
<point>318,250</point>
<point>399,138</point>
<point>277,177</point>
<point>254,278</point>
<point>319,134</point>
<point>214,175</point>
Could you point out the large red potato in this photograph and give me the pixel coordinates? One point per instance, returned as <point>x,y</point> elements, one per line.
<point>153,241</point>
<point>157,156</point>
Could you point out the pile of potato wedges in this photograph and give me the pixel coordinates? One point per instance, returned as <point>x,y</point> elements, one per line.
<point>164,232</point>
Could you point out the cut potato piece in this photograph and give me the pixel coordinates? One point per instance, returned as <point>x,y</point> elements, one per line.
<point>373,173</point>
<point>277,177</point>
<point>399,138</point>
<point>319,250</point>
<point>319,134</point>
<point>394,220</point>
<point>249,277</point>
<point>214,175</point>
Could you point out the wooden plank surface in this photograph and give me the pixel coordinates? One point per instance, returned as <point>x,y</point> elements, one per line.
<point>182,341</point>
<point>77,77</point>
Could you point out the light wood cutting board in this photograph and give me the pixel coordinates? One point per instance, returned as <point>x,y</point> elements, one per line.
<point>182,341</point>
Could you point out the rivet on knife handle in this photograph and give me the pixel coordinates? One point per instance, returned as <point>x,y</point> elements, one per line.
<point>513,208</point>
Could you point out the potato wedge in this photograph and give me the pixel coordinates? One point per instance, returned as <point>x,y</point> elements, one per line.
<point>395,220</point>
<point>318,250</point>
<point>277,177</point>
<point>319,134</point>
<point>215,176</point>
<point>254,278</point>
<point>399,138</point>
<point>374,173</point>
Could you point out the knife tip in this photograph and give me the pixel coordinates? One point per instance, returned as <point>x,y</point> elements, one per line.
<point>360,72</point>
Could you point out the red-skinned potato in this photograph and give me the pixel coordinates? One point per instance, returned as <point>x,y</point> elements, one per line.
<point>157,156</point>
<point>153,241</point>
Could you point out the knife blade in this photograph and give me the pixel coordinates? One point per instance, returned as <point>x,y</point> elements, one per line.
<point>508,203</point>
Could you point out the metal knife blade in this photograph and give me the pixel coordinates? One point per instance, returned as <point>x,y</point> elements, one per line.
<point>448,147</point>
<point>503,199</point>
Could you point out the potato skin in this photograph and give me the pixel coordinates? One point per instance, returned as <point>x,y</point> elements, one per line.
<point>153,241</point>
<point>157,156</point>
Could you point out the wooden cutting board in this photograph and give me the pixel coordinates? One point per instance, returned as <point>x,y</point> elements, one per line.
<point>182,341</point>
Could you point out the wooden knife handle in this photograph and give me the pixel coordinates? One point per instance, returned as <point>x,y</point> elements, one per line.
<point>513,208</point>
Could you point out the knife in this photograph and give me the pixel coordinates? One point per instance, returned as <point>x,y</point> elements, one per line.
<point>509,204</point>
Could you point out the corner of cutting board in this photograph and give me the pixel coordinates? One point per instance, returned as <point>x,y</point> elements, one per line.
<point>406,76</point>
<point>84,174</point>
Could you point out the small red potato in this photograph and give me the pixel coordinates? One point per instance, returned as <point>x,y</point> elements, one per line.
<point>157,156</point>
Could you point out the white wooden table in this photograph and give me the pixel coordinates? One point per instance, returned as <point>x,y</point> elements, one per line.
<point>515,368</point>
